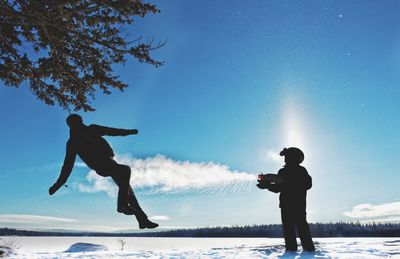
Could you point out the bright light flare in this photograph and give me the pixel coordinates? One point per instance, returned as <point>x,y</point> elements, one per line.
<point>292,124</point>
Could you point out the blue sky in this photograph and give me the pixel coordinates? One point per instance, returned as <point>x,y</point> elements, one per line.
<point>241,80</point>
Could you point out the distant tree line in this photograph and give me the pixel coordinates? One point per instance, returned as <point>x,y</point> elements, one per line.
<point>340,229</point>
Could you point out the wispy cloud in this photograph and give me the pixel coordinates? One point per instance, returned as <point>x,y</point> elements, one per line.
<point>160,217</point>
<point>33,219</point>
<point>369,212</point>
<point>97,228</point>
<point>165,175</point>
<point>80,228</point>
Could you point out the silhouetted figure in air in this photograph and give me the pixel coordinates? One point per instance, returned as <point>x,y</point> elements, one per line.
<point>93,149</point>
<point>295,181</point>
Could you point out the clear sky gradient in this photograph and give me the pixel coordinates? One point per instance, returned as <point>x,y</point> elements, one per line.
<point>241,80</point>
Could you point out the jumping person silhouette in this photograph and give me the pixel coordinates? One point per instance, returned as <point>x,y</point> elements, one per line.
<point>93,149</point>
<point>292,199</point>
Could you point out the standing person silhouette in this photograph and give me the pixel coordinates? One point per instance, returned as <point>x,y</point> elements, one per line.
<point>292,199</point>
<point>93,149</point>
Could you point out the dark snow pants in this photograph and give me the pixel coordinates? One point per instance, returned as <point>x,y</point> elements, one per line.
<point>121,175</point>
<point>293,218</point>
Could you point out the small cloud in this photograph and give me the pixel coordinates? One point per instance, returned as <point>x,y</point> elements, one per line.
<point>78,228</point>
<point>273,156</point>
<point>270,156</point>
<point>97,228</point>
<point>160,217</point>
<point>369,212</point>
<point>33,219</point>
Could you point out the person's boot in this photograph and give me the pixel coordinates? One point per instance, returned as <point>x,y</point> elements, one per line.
<point>144,222</point>
<point>127,210</point>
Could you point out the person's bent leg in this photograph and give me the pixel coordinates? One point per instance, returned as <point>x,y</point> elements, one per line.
<point>121,175</point>
<point>289,229</point>
<point>304,231</point>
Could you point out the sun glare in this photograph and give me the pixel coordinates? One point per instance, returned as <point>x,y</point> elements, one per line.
<point>292,124</point>
<point>294,130</point>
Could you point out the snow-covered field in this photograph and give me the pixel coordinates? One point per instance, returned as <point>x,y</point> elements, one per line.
<point>110,247</point>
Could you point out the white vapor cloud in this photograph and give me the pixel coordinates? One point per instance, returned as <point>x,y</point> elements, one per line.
<point>160,217</point>
<point>99,184</point>
<point>80,164</point>
<point>164,175</point>
<point>386,211</point>
<point>33,219</point>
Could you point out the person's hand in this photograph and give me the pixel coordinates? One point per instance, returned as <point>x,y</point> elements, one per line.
<point>262,185</point>
<point>54,188</point>
<point>127,132</point>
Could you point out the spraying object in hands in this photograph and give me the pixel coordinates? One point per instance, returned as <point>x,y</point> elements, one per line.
<point>265,181</point>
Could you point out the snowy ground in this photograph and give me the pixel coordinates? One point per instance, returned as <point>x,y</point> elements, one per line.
<point>110,247</point>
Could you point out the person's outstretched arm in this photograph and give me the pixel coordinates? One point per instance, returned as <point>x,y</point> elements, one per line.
<point>66,169</point>
<point>102,130</point>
